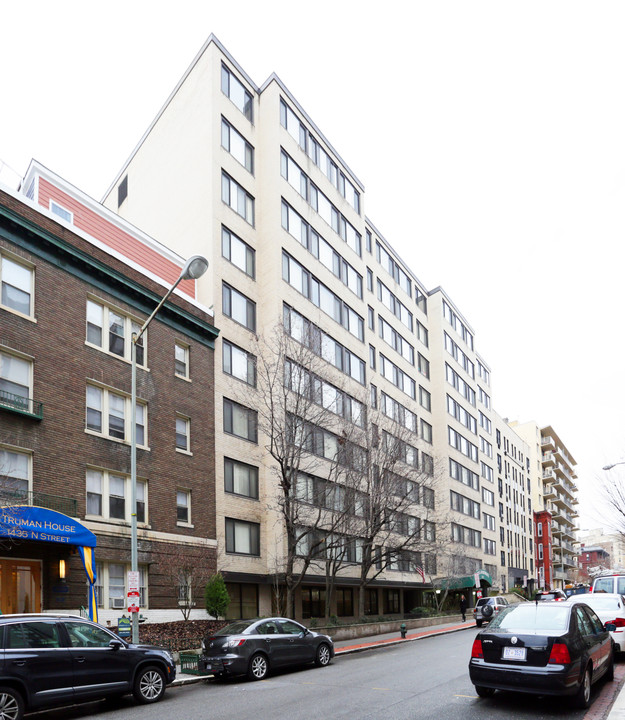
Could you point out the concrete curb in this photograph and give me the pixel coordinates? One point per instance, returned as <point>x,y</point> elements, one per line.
<point>409,638</point>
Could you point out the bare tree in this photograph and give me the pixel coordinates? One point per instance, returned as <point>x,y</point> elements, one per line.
<point>188,569</point>
<point>301,417</point>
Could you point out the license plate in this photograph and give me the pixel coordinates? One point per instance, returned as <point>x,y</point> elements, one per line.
<point>513,653</point>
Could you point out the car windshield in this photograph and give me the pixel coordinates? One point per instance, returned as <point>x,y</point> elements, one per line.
<point>531,617</point>
<point>236,628</point>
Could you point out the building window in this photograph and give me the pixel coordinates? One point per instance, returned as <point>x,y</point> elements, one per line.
<point>122,191</point>
<point>371,601</point>
<point>237,198</point>
<point>16,382</point>
<point>391,601</point>
<point>240,421</point>
<point>108,496</point>
<point>242,538</point>
<point>111,585</point>
<point>426,431</point>
<point>237,145</point>
<point>233,88</point>
<point>183,433</point>
<point>17,286</point>
<point>239,363</point>
<point>240,478</point>
<point>238,307</point>
<point>107,412</point>
<point>243,601</point>
<point>111,331</point>
<point>183,507</point>
<point>181,361</point>
<point>62,212</point>
<point>239,253</point>
<point>425,398</point>
<point>312,602</point>
<point>15,475</point>
<point>344,602</point>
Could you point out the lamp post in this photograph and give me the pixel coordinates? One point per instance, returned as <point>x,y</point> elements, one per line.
<point>609,467</point>
<point>194,268</point>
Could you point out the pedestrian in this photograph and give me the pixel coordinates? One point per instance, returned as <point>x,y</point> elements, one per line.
<point>463,607</point>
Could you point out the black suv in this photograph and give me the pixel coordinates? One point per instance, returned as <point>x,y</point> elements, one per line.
<point>48,660</point>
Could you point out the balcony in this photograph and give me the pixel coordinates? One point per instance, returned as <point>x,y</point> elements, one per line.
<point>548,442</point>
<point>548,475</point>
<point>65,505</point>
<point>22,405</point>
<point>548,458</point>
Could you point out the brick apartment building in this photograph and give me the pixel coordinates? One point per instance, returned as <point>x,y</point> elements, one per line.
<point>76,282</point>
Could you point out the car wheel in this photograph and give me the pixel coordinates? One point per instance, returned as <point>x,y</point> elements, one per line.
<point>609,673</point>
<point>149,685</point>
<point>11,704</point>
<point>322,658</point>
<point>582,698</point>
<point>484,691</point>
<point>258,667</point>
<point>478,623</point>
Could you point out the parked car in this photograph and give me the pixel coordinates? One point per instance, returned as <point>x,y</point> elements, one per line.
<point>610,607</point>
<point>614,583</point>
<point>550,595</point>
<point>549,648</point>
<point>49,660</point>
<point>253,647</point>
<point>487,608</point>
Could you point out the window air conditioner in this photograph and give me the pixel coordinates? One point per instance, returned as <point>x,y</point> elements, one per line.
<point>118,603</point>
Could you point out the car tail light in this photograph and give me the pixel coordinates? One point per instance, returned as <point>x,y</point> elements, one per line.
<point>476,650</point>
<point>619,622</point>
<point>236,643</point>
<point>559,655</point>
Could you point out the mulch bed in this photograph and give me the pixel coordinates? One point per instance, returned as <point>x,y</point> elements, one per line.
<point>176,636</point>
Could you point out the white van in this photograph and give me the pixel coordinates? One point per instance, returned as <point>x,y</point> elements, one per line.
<point>609,584</point>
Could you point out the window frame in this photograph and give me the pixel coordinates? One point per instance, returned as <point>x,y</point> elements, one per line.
<point>180,418</point>
<point>105,413</point>
<point>230,481</point>
<point>30,269</point>
<point>130,324</point>
<point>105,495</point>
<point>254,542</point>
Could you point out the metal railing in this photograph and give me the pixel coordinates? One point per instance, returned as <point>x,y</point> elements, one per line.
<point>21,404</point>
<point>60,503</point>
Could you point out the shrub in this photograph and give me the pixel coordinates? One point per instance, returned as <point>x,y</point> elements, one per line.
<point>422,612</point>
<point>216,596</point>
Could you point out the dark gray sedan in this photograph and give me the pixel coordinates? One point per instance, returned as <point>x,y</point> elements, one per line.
<point>253,647</point>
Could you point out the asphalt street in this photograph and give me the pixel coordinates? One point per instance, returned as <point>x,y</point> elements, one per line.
<point>423,680</point>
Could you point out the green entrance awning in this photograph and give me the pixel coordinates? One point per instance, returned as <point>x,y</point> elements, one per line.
<point>468,581</point>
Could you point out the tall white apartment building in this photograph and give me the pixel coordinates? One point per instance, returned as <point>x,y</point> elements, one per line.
<point>241,174</point>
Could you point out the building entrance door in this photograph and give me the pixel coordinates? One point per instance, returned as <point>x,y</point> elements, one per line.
<point>20,586</point>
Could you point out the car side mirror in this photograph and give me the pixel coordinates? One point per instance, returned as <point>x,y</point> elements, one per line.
<point>304,632</point>
<point>116,644</point>
<point>610,627</point>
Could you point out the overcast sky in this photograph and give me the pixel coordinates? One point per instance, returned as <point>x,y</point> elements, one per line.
<point>489,136</point>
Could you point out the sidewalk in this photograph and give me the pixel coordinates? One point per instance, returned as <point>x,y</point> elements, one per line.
<point>345,647</point>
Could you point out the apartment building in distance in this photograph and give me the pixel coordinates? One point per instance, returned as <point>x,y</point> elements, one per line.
<point>77,281</point>
<point>258,189</point>
<point>555,502</point>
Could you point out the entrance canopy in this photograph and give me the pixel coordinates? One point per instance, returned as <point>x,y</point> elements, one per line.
<point>469,581</point>
<point>24,522</point>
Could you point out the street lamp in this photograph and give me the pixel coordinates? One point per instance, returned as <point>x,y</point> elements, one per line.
<point>194,268</point>
<point>609,467</point>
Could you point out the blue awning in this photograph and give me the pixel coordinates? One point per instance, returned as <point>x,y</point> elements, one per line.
<point>24,522</point>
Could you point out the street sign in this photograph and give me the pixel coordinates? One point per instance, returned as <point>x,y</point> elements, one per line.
<point>123,626</point>
<point>132,607</point>
<point>479,593</point>
<point>133,581</point>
